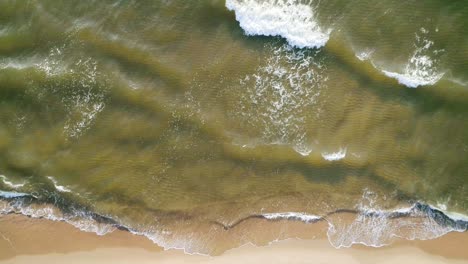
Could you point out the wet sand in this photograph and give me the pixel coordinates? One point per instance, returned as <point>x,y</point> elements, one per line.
<point>27,240</point>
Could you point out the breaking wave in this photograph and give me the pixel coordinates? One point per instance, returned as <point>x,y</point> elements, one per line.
<point>306,218</point>
<point>369,226</point>
<point>21,203</point>
<point>334,156</point>
<point>376,227</point>
<point>294,21</point>
<point>422,67</point>
<point>58,187</point>
<point>10,183</point>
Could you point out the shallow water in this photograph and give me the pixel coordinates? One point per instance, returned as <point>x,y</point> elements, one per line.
<point>196,122</point>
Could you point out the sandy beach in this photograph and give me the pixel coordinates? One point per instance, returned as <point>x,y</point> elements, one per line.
<point>26,240</point>
<point>227,131</point>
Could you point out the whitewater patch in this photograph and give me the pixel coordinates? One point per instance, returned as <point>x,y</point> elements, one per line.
<point>334,156</point>
<point>377,227</point>
<point>87,98</point>
<point>10,195</point>
<point>290,19</point>
<point>453,215</point>
<point>17,65</point>
<point>11,184</point>
<point>58,187</point>
<point>80,220</point>
<point>421,68</point>
<point>306,218</point>
<point>88,112</point>
<point>281,97</point>
<point>413,79</point>
<point>365,54</point>
<point>371,226</point>
<point>303,150</point>
<point>84,104</point>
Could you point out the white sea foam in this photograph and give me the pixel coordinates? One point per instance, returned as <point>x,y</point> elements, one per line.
<point>421,68</point>
<point>376,227</point>
<point>372,226</point>
<point>58,187</point>
<point>456,216</point>
<point>18,65</point>
<point>85,101</point>
<point>51,65</point>
<point>290,19</point>
<point>414,78</point>
<point>88,112</point>
<point>189,244</point>
<point>79,220</point>
<point>10,195</point>
<point>453,215</point>
<point>284,95</point>
<point>87,224</point>
<point>11,184</point>
<point>307,218</point>
<point>364,55</point>
<point>334,156</point>
<point>303,150</point>
<point>379,230</point>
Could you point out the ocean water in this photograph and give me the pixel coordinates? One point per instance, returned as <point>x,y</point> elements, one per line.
<point>205,125</point>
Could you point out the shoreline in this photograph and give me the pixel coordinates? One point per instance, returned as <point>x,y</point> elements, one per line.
<point>24,240</point>
<point>356,227</point>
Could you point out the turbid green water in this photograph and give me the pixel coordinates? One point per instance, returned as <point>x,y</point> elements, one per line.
<point>178,119</point>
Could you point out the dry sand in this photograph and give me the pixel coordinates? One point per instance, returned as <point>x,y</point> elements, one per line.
<point>26,240</point>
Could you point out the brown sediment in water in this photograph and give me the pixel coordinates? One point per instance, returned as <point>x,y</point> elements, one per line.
<point>23,238</point>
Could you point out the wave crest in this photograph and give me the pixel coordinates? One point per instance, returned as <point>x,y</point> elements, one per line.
<point>294,21</point>
<point>421,68</point>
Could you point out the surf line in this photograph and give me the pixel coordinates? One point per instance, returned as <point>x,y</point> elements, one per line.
<point>427,211</point>
<point>417,210</point>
